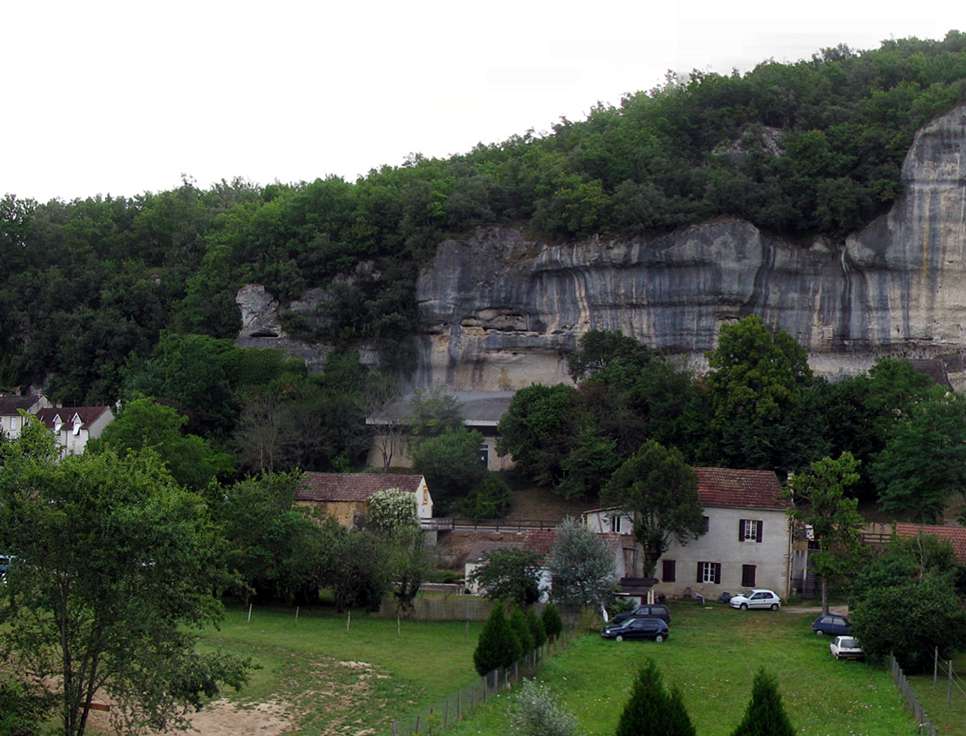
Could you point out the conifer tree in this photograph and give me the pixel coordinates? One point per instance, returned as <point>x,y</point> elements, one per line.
<point>647,713</point>
<point>552,624</point>
<point>765,715</point>
<point>518,621</point>
<point>498,645</point>
<point>536,629</point>
<point>679,722</point>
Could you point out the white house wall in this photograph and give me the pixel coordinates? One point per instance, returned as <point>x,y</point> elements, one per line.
<point>720,545</point>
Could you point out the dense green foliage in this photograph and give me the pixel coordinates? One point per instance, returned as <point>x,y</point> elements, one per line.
<point>651,711</point>
<point>489,500</point>
<point>451,463</point>
<point>510,575</point>
<point>581,566</point>
<point>766,714</point>
<point>116,570</point>
<point>537,629</point>
<point>552,623</point>
<point>804,147</point>
<point>660,492</point>
<point>521,629</point>
<point>498,645</point>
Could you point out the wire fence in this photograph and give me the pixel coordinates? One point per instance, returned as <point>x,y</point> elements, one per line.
<point>451,710</point>
<point>955,684</point>
<point>926,728</point>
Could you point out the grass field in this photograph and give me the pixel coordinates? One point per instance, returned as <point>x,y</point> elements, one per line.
<point>712,656</point>
<point>948,718</point>
<point>346,682</point>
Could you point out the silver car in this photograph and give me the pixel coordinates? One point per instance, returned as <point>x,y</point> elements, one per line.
<point>757,598</point>
<point>846,647</point>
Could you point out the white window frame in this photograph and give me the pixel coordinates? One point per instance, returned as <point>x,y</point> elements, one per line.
<point>707,572</point>
<point>751,530</point>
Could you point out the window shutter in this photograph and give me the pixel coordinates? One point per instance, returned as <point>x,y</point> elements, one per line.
<point>761,525</point>
<point>717,573</point>
<point>741,530</point>
<point>699,572</point>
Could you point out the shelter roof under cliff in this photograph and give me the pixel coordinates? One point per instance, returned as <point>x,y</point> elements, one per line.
<point>479,408</point>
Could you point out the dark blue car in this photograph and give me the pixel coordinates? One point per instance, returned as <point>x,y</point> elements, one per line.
<point>832,624</point>
<point>638,628</point>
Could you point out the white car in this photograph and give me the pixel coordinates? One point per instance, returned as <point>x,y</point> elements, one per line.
<point>757,598</point>
<point>846,647</point>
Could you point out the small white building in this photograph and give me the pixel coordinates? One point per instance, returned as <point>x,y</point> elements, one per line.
<point>11,421</point>
<point>747,541</point>
<point>75,426</point>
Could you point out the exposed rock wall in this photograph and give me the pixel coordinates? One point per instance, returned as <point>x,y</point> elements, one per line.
<point>500,310</point>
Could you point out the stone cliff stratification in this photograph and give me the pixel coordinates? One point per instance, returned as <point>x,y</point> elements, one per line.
<point>499,310</point>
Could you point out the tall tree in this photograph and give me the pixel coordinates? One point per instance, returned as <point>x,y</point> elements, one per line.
<point>923,465</point>
<point>582,566</point>
<point>660,492</point>
<point>115,574</point>
<point>820,501</point>
<point>765,715</point>
<point>762,410</point>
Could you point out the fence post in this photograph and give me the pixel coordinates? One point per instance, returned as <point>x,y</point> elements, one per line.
<point>949,684</point>
<point>417,724</point>
<point>459,705</point>
<point>395,728</point>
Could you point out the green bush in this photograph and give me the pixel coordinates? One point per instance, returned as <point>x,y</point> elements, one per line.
<point>521,628</point>
<point>535,712</point>
<point>498,645</point>
<point>552,623</point>
<point>765,715</point>
<point>489,500</point>
<point>651,711</point>
<point>536,629</point>
<point>21,711</point>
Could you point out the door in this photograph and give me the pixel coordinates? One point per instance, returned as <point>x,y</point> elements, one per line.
<point>748,576</point>
<point>759,600</point>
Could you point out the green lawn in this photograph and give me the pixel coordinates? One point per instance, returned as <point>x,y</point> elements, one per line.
<point>949,719</point>
<point>712,656</point>
<point>344,682</point>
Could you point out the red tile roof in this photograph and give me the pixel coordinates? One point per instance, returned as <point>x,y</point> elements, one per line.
<point>740,489</point>
<point>87,414</point>
<point>955,535</point>
<point>352,486</point>
<point>10,405</point>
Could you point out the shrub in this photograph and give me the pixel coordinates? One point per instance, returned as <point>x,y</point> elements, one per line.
<point>582,566</point>
<point>535,712</point>
<point>536,629</point>
<point>518,620</point>
<point>451,463</point>
<point>497,646</point>
<point>391,511</point>
<point>679,722</point>
<point>552,624</point>
<point>510,575</point>
<point>21,712</point>
<point>766,714</point>
<point>489,500</point>
<point>649,711</point>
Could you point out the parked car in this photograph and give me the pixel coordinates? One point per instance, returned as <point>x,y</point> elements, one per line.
<point>846,647</point>
<point>832,625</point>
<point>757,598</point>
<point>652,610</point>
<point>638,628</point>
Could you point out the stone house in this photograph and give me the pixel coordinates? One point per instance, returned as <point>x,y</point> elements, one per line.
<point>747,541</point>
<point>345,496</point>
<point>481,410</point>
<point>11,423</point>
<point>75,426</point>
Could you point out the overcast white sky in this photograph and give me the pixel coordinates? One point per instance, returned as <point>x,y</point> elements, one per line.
<point>122,97</point>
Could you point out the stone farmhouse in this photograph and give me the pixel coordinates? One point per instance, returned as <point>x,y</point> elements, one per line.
<point>345,496</point>
<point>482,411</point>
<point>747,541</point>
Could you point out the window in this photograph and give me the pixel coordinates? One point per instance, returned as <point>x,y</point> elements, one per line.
<point>709,572</point>
<point>748,576</point>
<point>706,523</point>
<point>485,455</point>
<point>615,523</point>
<point>667,571</point>
<point>749,530</point>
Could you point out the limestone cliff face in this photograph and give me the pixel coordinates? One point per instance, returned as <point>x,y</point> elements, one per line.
<point>499,310</point>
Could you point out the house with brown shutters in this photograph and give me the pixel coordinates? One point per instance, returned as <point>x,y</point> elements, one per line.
<point>746,543</point>
<point>345,496</point>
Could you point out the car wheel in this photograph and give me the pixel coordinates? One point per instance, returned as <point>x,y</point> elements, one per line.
<point>819,632</point>
<point>658,638</point>
<point>744,606</point>
<point>620,638</point>
<point>774,606</point>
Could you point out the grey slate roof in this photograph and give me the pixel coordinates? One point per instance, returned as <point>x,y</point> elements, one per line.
<point>480,408</point>
<point>10,405</point>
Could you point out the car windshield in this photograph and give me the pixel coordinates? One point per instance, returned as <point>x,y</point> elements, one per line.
<point>848,642</point>
<point>748,593</point>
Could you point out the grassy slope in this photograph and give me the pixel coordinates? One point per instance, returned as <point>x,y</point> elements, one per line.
<point>949,719</point>
<point>304,664</point>
<point>712,655</point>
